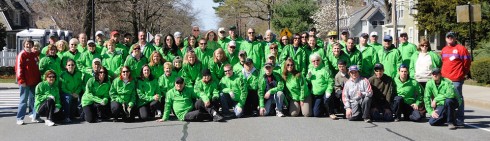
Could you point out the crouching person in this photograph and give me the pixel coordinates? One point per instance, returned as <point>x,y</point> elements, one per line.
<point>149,95</point>
<point>233,93</point>
<point>180,100</point>
<point>270,91</point>
<point>383,94</point>
<point>441,100</point>
<point>95,100</point>
<point>208,87</point>
<point>409,96</point>
<point>48,97</point>
<point>356,96</point>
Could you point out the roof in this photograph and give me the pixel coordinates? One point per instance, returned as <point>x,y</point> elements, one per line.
<point>356,16</point>
<point>33,32</point>
<point>4,21</point>
<point>369,14</point>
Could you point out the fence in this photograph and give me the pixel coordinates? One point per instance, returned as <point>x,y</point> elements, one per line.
<point>7,57</point>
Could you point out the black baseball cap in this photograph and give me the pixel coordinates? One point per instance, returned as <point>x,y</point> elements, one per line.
<point>378,66</point>
<point>179,80</point>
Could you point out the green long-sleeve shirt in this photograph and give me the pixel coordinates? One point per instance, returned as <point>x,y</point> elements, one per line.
<point>267,50</point>
<point>321,80</point>
<point>191,73</point>
<point>75,56</point>
<point>146,51</point>
<point>167,82</point>
<point>439,93</point>
<point>208,90</point>
<point>181,102</point>
<point>410,90</point>
<point>50,63</point>
<point>435,58</point>
<point>369,59</point>
<point>43,91</point>
<point>135,65</point>
<point>157,70</point>
<point>205,56</point>
<point>71,83</point>
<point>236,85</point>
<point>123,92</point>
<point>96,92</point>
<point>113,63</point>
<point>232,58</point>
<point>376,46</point>
<point>223,43</point>
<point>407,49</point>
<point>299,57</point>
<point>251,79</point>
<point>391,60</point>
<point>255,51</point>
<point>355,57</point>
<point>332,61</point>
<point>146,90</point>
<point>262,87</point>
<point>296,87</point>
<point>217,69</point>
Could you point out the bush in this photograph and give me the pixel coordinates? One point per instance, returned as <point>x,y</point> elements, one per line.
<point>480,70</point>
<point>7,71</point>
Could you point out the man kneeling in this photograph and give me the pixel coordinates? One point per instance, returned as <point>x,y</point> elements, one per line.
<point>180,100</point>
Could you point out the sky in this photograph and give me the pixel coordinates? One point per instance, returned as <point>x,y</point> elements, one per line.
<point>206,15</point>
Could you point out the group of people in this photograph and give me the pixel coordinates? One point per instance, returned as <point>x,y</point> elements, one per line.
<point>215,76</point>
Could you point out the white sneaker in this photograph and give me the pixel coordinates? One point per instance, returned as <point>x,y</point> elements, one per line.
<point>20,122</point>
<point>49,123</point>
<point>38,120</point>
<point>279,114</point>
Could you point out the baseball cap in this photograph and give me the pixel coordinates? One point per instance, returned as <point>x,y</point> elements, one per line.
<point>96,60</point>
<point>374,33</point>
<point>436,71</point>
<point>99,33</point>
<point>364,35</point>
<point>353,68</point>
<point>242,52</point>
<point>206,72</point>
<point>90,42</point>
<point>177,34</point>
<point>271,56</point>
<point>232,27</point>
<point>450,34</point>
<point>221,29</point>
<point>179,80</point>
<point>232,43</point>
<point>332,33</point>
<point>267,65</point>
<point>388,38</point>
<point>378,66</point>
<point>114,33</point>
<point>249,60</point>
<point>344,31</point>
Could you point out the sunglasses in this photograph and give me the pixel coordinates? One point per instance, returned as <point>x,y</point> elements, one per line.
<point>51,76</point>
<point>195,30</point>
<point>273,48</point>
<point>222,32</point>
<point>290,65</point>
<point>125,71</point>
<point>303,36</point>
<point>233,47</point>
<point>202,43</point>
<point>315,61</point>
<point>251,32</point>
<point>136,49</point>
<point>227,70</point>
<point>101,72</point>
<point>284,39</point>
<point>70,65</point>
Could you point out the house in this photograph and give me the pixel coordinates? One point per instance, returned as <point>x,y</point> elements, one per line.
<point>366,19</point>
<point>16,16</point>
<point>406,22</point>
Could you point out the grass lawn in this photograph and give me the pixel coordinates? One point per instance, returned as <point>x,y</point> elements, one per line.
<point>474,83</point>
<point>7,80</point>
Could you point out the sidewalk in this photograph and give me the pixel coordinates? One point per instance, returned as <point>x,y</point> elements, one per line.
<point>473,95</point>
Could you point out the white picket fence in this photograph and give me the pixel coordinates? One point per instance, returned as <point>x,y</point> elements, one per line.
<point>7,57</point>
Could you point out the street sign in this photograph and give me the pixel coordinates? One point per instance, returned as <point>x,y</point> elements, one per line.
<point>463,13</point>
<point>286,32</point>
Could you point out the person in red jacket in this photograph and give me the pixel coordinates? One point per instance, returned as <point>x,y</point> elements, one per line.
<point>456,62</point>
<point>28,76</point>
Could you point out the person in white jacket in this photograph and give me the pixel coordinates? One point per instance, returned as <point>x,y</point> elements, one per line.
<point>356,96</point>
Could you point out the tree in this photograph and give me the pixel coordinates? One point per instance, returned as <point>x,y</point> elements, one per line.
<point>326,16</point>
<point>250,13</point>
<point>3,36</point>
<point>294,14</point>
<point>437,16</point>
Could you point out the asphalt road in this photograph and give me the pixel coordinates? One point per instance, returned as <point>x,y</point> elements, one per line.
<point>257,129</point>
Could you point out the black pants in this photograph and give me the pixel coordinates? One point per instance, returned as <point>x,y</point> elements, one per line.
<point>201,113</point>
<point>47,109</point>
<point>147,111</point>
<point>251,103</point>
<point>118,111</point>
<point>399,107</point>
<point>94,111</point>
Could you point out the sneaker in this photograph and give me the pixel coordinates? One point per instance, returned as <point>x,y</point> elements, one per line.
<point>159,113</point>
<point>460,124</point>
<point>20,122</point>
<point>218,118</point>
<point>38,120</point>
<point>451,126</point>
<point>397,119</point>
<point>333,116</point>
<point>279,113</point>
<point>49,123</point>
<point>67,120</point>
<point>367,120</point>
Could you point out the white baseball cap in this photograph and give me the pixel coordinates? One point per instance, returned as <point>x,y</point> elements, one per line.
<point>374,33</point>
<point>99,33</point>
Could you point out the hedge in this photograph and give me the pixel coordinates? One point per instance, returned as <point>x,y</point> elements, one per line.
<point>480,70</point>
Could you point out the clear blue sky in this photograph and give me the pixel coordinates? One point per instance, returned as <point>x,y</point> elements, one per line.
<point>206,16</point>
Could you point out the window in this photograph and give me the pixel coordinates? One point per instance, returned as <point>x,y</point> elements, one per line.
<point>374,23</point>
<point>400,11</point>
<point>381,23</point>
<point>410,34</point>
<point>16,18</point>
<point>411,6</point>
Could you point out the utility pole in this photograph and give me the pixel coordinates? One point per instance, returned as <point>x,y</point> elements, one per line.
<point>93,19</point>
<point>394,20</point>
<point>471,29</point>
<point>338,19</point>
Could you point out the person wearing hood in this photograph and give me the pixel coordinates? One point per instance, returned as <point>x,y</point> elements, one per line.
<point>390,57</point>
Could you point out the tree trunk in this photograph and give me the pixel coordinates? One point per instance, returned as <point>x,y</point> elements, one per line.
<point>87,24</point>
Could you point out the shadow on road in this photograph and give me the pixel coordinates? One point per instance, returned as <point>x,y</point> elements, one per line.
<point>7,114</point>
<point>476,117</point>
<point>142,127</point>
<point>398,134</point>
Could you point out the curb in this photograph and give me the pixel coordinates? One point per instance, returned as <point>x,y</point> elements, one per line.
<point>477,103</point>
<point>8,88</point>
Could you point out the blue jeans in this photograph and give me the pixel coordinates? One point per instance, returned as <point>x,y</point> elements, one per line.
<point>446,113</point>
<point>69,104</point>
<point>458,85</point>
<point>318,105</point>
<point>277,98</point>
<point>26,95</point>
<point>227,102</point>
